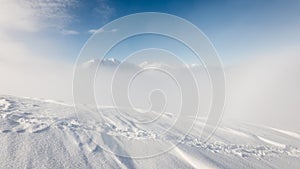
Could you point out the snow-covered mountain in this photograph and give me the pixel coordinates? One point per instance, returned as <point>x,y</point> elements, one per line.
<point>94,63</point>
<point>109,64</point>
<point>113,63</point>
<point>47,134</point>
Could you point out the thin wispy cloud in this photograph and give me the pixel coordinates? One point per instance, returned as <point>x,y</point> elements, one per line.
<point>69,32</point>
<point>26,16</point>
<point>14,15</point>
<point>20,57</point>
<point>32,15</point>
<point>92,31</point>
<point>55,13</point>
<point>105,10</point>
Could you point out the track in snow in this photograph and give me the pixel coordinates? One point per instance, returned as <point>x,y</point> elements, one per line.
<point>37,133</point>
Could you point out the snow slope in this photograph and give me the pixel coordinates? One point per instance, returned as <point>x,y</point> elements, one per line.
<point>46,134</point>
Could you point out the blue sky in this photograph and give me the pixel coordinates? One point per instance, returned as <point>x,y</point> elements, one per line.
<point>238,29</point>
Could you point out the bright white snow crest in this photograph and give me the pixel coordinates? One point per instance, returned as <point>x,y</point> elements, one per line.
<point>37,133</point>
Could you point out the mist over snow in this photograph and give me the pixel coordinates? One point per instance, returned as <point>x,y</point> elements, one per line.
<point>263,90</point>
<point>24,73</point>
<point>104,84</point>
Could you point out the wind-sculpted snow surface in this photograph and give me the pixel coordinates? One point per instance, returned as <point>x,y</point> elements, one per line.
<point>47,134</point>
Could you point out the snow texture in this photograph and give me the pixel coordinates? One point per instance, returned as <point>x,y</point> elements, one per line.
<point>47,134</point>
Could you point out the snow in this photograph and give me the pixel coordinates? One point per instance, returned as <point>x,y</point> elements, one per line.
<point>289,133</point>
<point>4,104</point>
<point>274,143</point>
<point>47,134</point>
<point>195,163</point>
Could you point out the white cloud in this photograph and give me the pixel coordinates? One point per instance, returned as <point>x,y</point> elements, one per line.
<point>33,15</point>
<point>105,10</point>
<point>69,32</point>
<point>114,30</point>
<point>24,70</point>
<point>92,31</point>
<point>13,15</point>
